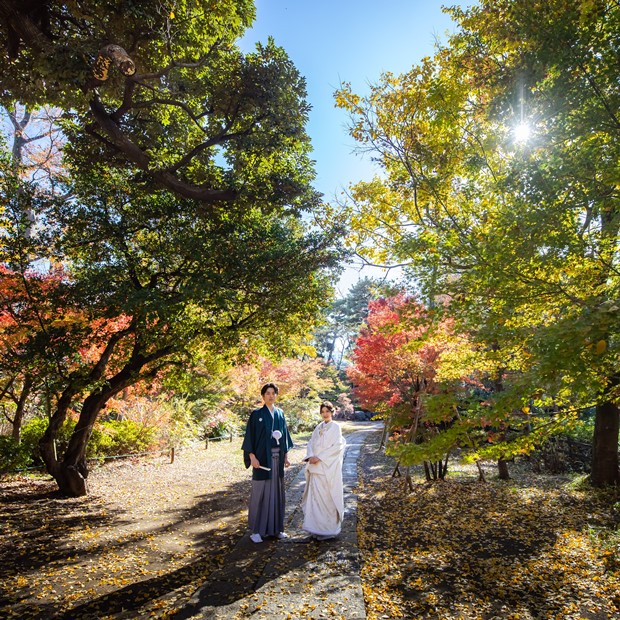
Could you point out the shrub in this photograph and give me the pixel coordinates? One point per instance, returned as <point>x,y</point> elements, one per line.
<point>34,429</point>
<point>561,454</point>
<point>125,437</point>
<point>13,455</point>
<point>582,431</point>
<point>302,414</point>
<point>110,438</point>
<point>181,427</point>
<point>344,407</point>
<point>220,423</point>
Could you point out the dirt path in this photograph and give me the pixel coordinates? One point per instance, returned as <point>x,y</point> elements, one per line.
<point>141,544</point>
<point>295,578</point>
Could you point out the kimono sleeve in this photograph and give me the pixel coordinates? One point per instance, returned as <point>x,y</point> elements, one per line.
<point>249,440</point>
<point>310,449</point>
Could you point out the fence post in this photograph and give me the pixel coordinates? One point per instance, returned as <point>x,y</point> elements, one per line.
<point>206,443</point>
<point>172,455</point>
<point>231,437</point>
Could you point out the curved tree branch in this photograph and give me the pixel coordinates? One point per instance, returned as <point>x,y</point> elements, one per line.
<point>163,178</point>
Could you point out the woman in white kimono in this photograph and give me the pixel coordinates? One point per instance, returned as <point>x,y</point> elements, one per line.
<point>323,502</point>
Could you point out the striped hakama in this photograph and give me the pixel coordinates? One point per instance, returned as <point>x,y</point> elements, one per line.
<point>266,511</point>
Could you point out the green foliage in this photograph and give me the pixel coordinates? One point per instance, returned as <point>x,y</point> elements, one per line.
<point>119,437</point>
<point>13,455</point>
<point>335,384</point>
<point>516,242</point>
<point>225,424</point>
<point>182,427</point>
<point>178,215</point>
<point>302,414</point>
<point>163,281</point>
<point>582,430</point>
<point>109,438</point>
<point>344,318</point>
<point>198,117</point>
<point>53,66</point>
<point>33,430</point>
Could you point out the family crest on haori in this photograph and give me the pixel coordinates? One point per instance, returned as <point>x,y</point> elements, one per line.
<point>265,448</point>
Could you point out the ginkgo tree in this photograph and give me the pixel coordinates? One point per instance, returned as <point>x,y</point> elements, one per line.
<point>522,235</point>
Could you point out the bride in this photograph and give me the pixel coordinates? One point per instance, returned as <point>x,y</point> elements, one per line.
<point>323,502</point>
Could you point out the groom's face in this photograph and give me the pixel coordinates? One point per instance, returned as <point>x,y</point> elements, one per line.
<point>269,397</point>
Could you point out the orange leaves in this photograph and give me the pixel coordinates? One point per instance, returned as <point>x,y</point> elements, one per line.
<point>395,358</point>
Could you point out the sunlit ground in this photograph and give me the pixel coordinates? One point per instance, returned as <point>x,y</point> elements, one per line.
<point>531,547</point>
<point>143,540</point>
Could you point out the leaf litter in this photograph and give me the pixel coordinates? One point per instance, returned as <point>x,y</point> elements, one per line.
<point>147,535</point>
<point>529,548</point>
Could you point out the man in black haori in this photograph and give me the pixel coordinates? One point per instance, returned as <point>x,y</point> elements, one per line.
<point>265,448</point>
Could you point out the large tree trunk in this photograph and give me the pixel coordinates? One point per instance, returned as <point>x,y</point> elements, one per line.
<point>71,473</point>
<point>605,469</point>
<point>606,423</point>
<point>47,442</point>
<point>73,470</point>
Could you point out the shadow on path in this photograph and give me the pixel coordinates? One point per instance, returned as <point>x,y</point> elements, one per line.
<point>297,577</point>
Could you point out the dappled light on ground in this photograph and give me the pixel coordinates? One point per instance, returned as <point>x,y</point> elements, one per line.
<point>459,548</point>
<point>143,540</point>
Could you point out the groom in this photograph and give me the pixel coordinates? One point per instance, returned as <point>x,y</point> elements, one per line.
<point>265,448</point>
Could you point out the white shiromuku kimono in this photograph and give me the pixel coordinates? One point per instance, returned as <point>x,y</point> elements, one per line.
<point>323,501</point>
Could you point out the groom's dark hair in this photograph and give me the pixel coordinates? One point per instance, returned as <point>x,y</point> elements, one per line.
<point>267,386</point>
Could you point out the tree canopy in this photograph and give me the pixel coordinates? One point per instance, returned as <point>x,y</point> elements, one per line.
<point>173,232</point>
<point>520,235</point>
<point>165,91</point>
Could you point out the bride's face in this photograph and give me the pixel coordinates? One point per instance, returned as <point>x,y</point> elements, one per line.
<point>326,414</point>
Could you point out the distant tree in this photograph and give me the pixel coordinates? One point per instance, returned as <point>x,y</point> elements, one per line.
<point>296,378</point>
<point>344,319</point>
<point>395,362</point>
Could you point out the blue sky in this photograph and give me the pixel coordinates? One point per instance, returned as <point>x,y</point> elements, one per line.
<point>346,41</point>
